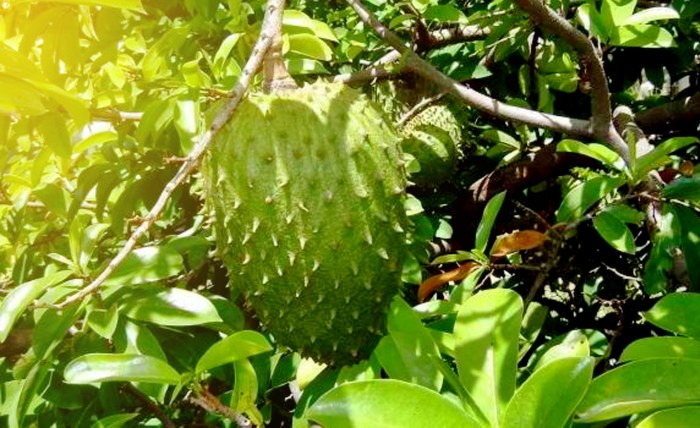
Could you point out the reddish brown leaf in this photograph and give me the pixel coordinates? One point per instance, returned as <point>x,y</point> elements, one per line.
<point>428,287</point>
<point>517,241</point>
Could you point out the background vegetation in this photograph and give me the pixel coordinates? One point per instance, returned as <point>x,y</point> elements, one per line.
<point>555,232</point>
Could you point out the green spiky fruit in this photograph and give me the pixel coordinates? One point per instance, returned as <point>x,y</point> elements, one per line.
<point>307,190</point>
<point>433,137</point>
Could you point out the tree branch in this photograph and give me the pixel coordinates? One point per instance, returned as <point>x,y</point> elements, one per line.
<point>211,403</point>
<point>677,115</point>
<point>474,98</point>
<point>273,15</point>
<point>601,119</point>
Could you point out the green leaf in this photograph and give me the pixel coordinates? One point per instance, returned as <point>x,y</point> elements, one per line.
<point>549,397</point>
<point>677,313</point>
<point>488,218</point>
<point>681,417</point>
<point>641,386</point>
<point>652,14</point>
<point>615,232</point>
<point>585,195</point>
<point>486,348</point>
<point>387,403</point>
<point>115,421</point>
<point>296,18</point>
<point>658,156</point>
<point>245,391</point>
<point>661,347</point>
<point>123,4</point>
<point>592,21</point>
<point>17,300</point>
<point>615,12</point>
<point>690,242</point>
<point>444,13</point>
<point>684,188</point>
<point>92,368</point>
<point>104,322</point>
<point>147,264</point>
<point>55,134</point>
<point>625,213</point>
<point>310,46</point>
<point>240,345</point>
<point>642,36</point>
<point>173,307</point>
<point>592,150</point>
<point>574,344</point>
<point>411,356</point>
<point>664,242</point>
<point>51,329</point>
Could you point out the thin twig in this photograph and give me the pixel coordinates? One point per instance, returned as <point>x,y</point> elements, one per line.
<point>211,403</point>
<point>148,404</point>
<point>474,98</point>
<point>273,15</point>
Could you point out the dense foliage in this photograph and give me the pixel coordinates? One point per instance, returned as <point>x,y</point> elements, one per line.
<point>553,275</point>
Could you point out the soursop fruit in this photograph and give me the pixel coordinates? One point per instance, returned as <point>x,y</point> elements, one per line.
<point>433,137</point>
<point>307,189</point>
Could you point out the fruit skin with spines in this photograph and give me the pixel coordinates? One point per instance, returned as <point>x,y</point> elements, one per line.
<point>433,136</point>
<point>307,189</point>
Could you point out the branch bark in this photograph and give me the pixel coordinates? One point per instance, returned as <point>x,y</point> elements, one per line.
<point>683,114</point>
<point>601,119</point>
<point>271,21</point>
<point>474,98</point>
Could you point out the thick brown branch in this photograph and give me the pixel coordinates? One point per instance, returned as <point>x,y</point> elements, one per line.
<point>211,403</point>
<point>601,119</point>
<point>515,177</point>
<point>683,114</point>
<point>273,14</point>
<point>476,99</point>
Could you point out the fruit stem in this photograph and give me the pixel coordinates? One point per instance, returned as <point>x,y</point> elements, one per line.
<point>275,74</point>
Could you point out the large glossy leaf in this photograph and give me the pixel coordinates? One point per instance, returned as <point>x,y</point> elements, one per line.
<point>92,368</point>
<point>172,306</point>
<point>51,329</point>
<point>685,188</point>
<point>310,46</point>
<point>483,231</point>
<point>296,18</point>
<point>17,300</point>
<point>596,151</point>
<point>615,232</point>
<point>642,36</point>
<point>583,196</point>
<point>486,348</point>
<point>678,313</point>
<point>661,347</point>
<point>652,14</point>
<point>245,391</point>
<point>549,397</point>
<point>573,345</point>
<point>641,386</point>
<point>657,157</point>
<point>387,403</point>
<point>616,12</point>
<point>680,417</point>
<point>409,349</point>
<point>147,264</point>
<point>237,346</point>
